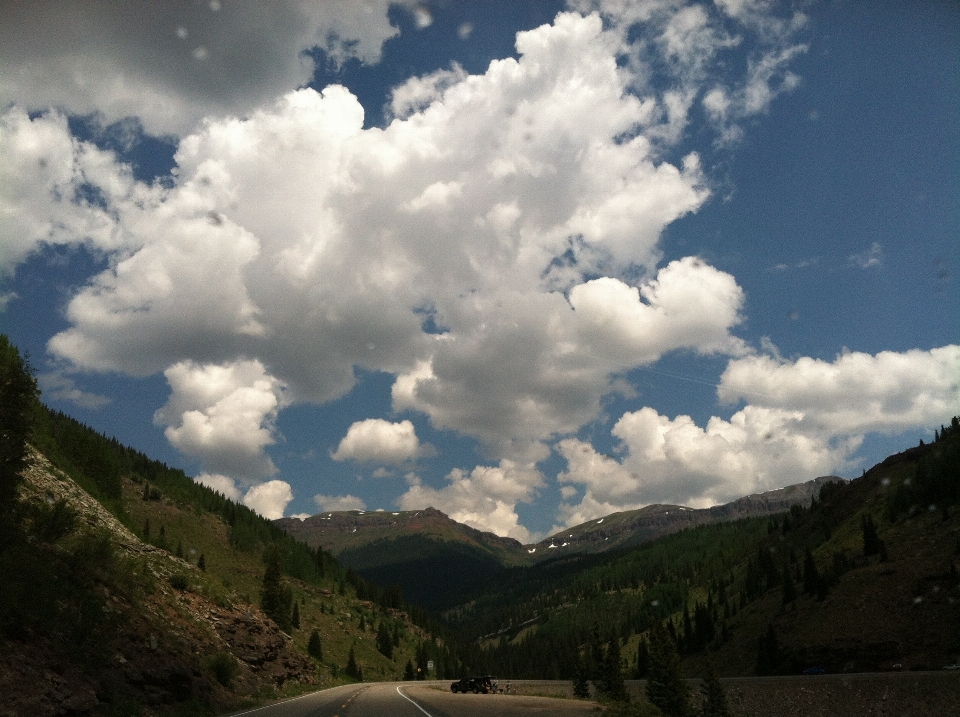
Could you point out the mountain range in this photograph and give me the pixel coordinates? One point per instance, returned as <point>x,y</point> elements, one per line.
<point>438,561</point>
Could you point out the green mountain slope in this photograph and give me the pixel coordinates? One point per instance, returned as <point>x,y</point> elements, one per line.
<point>437,561</point>
<point>864,579</point>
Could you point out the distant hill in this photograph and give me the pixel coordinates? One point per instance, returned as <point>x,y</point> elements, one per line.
<point>437,561</point>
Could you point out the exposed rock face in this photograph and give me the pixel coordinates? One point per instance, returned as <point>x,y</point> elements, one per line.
<point>162,645</point>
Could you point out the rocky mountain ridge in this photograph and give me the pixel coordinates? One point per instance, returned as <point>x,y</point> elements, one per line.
<point>635,527</point>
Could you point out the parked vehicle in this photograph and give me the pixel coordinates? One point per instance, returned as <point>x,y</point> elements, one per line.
<point>484,684</point>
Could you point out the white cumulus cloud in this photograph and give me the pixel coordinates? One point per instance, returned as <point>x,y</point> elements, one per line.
<point>378,441</point>
<point>269,499</point>
<point>225,485</point>
<point>329,503</point>
<point>224,415</point>
<point>804,419</point>
<point>485,498</point>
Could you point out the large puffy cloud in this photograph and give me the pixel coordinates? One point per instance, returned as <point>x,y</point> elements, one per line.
<point>806,418</point>
<point>457,248</point>
<point>484,498</point>
<point>223,415</point>
<point>298,237</point>
<point>172,64</point>
<point>379,441</point>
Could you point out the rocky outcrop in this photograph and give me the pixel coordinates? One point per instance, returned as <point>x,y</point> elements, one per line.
<point>161,646</point>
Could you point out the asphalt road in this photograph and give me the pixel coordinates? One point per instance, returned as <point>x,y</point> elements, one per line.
<point>403,699</point>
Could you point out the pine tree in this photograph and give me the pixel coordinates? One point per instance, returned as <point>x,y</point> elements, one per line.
<point>408,672</point>
<point>18,404</point>
<point>811,576</point>
<point>643,658</point>
<point>179,551</point>
<point>351,669</point>
<point>146,529</point>
<point>385,641</point>
<point>789,589</point>
<point>665,688</point>
<point>295,617</point>
<point>273,598</point>
<point>714,696</point>
<point>315,647</point>
<point>202,562</point>
<point>768,653</point>
<point>613,684</point>
<point>581,681</point>
<point>871,539</point>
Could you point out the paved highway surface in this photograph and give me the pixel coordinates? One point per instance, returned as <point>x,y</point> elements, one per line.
<point>405,699</point>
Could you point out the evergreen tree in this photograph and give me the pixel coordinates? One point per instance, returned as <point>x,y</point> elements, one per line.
<point>146,529</point>
<point>768,653</point>
<point>315,647</point>
<point>274,600</point>
<point>581,681</point>
<point>362,627</point>
<point>351,669</point>
<point>665,687</point>
<point>871,539</point>
<point>613,685</point>
<point>811,576</point>
<point>714,696</point>
<point>408,672</point>
<point>789,589</point>
<point>385,641</point>
<point>643,658</point>
<point>295,617</point>
<point>202,562</point>
<point>18,406</point>
<point>179,551</point>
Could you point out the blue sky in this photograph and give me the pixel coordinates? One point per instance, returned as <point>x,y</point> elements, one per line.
<point>529,263</point>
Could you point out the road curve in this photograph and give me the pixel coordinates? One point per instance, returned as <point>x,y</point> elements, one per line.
<point>406,699</point>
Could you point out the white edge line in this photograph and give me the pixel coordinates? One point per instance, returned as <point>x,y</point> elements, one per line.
<point>412,702</point>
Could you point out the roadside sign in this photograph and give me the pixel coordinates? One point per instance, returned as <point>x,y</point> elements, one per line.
<point>429,665</point>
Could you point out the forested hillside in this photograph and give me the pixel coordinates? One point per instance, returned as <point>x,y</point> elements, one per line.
<point>126,585</point>
<point>864,578</point>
